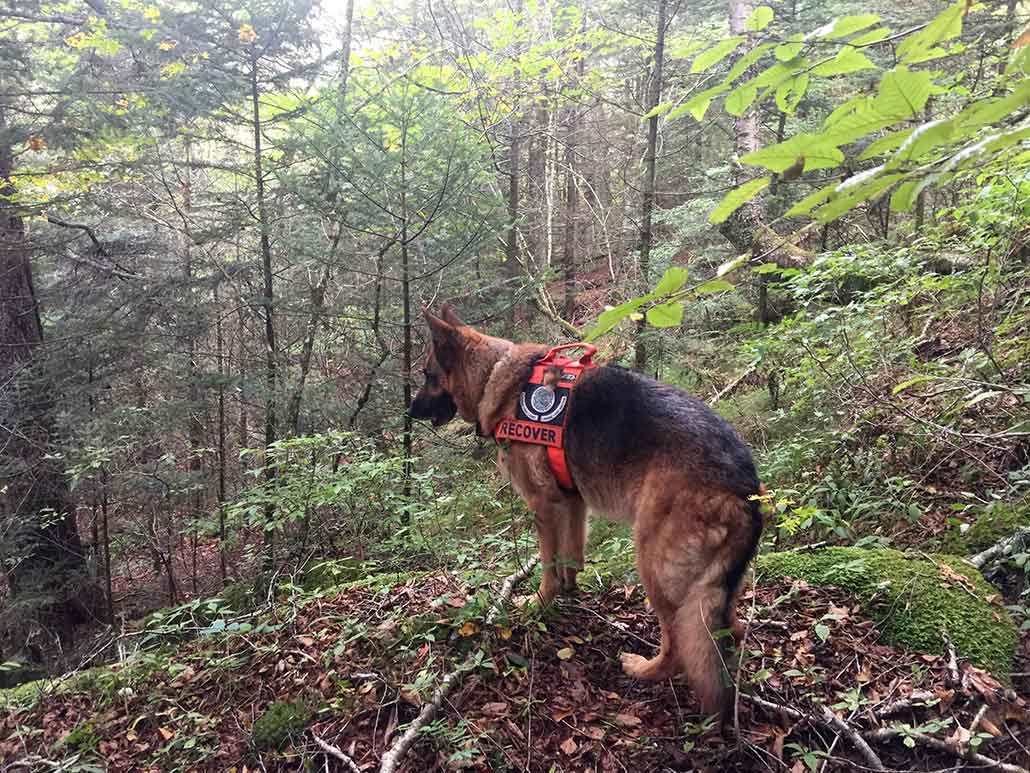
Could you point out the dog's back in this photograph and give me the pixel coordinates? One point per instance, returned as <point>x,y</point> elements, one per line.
<point>651,452</point>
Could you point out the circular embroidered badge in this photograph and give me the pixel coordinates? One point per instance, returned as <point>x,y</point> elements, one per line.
<point>542,400</point>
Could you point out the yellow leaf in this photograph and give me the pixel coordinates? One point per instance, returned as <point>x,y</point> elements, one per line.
<point>467,629</point>
<point>167,45</point>
<point>166,733</point>
<point>565,653</point>
<point>636,316</point>
<point>505,632</point>
<point>247,34</point>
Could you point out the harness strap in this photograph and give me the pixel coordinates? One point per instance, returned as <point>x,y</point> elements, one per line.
<point>543,407</point>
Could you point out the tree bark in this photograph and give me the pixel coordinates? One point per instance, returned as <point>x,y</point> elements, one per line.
<point>48,569</point>
<point>268,304</point>
<point>654,97</point>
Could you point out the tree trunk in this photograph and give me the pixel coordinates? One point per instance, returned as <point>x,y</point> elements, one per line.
<point>654,97</point>
<point>571,199</point>
<point>268,302</point>
<point>48,570</point>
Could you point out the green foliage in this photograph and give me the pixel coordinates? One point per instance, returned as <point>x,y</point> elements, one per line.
<point>280,723</point>
<point>915,599</point>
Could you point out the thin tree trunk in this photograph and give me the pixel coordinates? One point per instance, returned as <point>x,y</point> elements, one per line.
<point>571,199</point>
<point>511,250</point>
<point>406,300</point>
<point>268,302</point>
<point>219,355</point>
<point>646,234</point>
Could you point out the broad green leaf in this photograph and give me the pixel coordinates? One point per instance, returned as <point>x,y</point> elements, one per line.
<point>736,198</point>
<point>740,99</point>
<point>993,110</point>
<point>850,25</point>
<point>822,631</point>
<point>733,264</point>
<point>697,105</point>
<point>817,152</point>
<point>884,144</point>
<point>904,196</point>
<point>766,268</point>
<point>789,93</point>
<point>658,109</point>
<point>787,51</point>
<point>746,61</point>
<point>672,280</point>
<point>909,382</point>
<point>665,315</point>
<point>716,54</point>
<point>856,103</point>
<point>847,60</point>
<point>921,141</point>
<point>873,36</point>
<point>855,190</point>
<point>714,286</point>
<point>811,201</point>
<point>946,26</point>
<point>608,319</point>
<point>902,93</point>
<point>681,49</point>
<point>760,18</point>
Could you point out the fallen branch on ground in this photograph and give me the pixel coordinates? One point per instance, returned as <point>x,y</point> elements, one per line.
<point>393,756</point>
<point>891,733</point>
<point>337,754</point>
<point>1001,548</point>
<point>856,740</point>
<point>732,386</point>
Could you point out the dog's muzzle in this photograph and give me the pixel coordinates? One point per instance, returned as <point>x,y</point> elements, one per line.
<point>438,409</point>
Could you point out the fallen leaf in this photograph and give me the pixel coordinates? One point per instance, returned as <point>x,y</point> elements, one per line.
<point>569,746</point>
<point>468,628</point>
<point>505,632</point>
<point>307,641</point>
<point>627,720</point>
<point>456,601</point>
<point>498,709</point>
<point>565,653</point>
<point>559,714</point>
<point>166,733</point>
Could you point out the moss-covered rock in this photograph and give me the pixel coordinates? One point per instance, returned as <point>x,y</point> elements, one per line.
<point>992,524</point>
<point>912,598</point>
<point>280,722</point>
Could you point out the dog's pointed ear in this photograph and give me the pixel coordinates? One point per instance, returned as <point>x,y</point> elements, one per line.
<point>450,317</point>
<point>441,330</point>
<point>445,339</point>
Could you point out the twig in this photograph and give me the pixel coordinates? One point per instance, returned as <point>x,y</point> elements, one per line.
<point>729,388</point>
<point>852,735</point>
<point>1000,549</point>
<point>392,758</point>
<point>890,733</point>
<point>332,751</point>
<point>903,704</point>
<point>952,658</point>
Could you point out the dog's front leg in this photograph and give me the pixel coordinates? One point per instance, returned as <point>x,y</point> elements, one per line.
<point>548,521</point>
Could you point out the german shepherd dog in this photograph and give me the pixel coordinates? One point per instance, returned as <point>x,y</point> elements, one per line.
<point>638,450</point>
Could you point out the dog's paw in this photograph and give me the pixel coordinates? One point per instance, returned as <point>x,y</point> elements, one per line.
<point>634,665</point>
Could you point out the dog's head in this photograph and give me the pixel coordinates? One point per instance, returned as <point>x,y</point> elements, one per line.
<point>442,394</point>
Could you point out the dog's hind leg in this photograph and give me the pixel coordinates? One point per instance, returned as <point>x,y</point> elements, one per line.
<point>572,544</point>
<point>701,630</point>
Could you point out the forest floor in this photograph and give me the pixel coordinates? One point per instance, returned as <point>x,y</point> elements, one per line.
<point>546,691</point>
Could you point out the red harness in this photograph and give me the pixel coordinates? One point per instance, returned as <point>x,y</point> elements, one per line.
<point>543,407</point>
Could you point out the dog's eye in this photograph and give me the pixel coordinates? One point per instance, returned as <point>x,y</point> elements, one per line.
<point>430,378</point>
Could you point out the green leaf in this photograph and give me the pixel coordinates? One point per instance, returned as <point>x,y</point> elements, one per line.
<point>909,382</point>
<point>662,107</point>
<point>697,105</point>
<point>665,315</point>
<point>822,631</point>
<point>884,144</point>
<point>847,60</point>
<point>946,26</point>
<point>811,201</point>
<point>789,93</point>
<point>850,24</point>
<point>714,286</point>
<point>921,141</point>
<point>740,99</point>
<point>737,198</point>
<point>854,191</point>
<point>672,280</point>
<point>767,268</point>
<point>746,61</point>
<point>760,18</point>
<point>681,49</point>
<point>716,54</point>
<point>787,51</point>
<point>873,36</point>
<point>608,319</point>
<point>777,158</point>
<point>903,93</point>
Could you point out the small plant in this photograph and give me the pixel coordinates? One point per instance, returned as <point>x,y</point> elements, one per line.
<point>82,738</point>
<point>281,722</point>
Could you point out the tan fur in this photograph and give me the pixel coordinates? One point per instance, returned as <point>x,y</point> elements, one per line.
<point>686,534</point>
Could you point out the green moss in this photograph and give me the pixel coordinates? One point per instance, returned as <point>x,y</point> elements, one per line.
<point>82,738</point>
<point>912,598</point>
<point>995,523</point>
<point>280,722</point>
